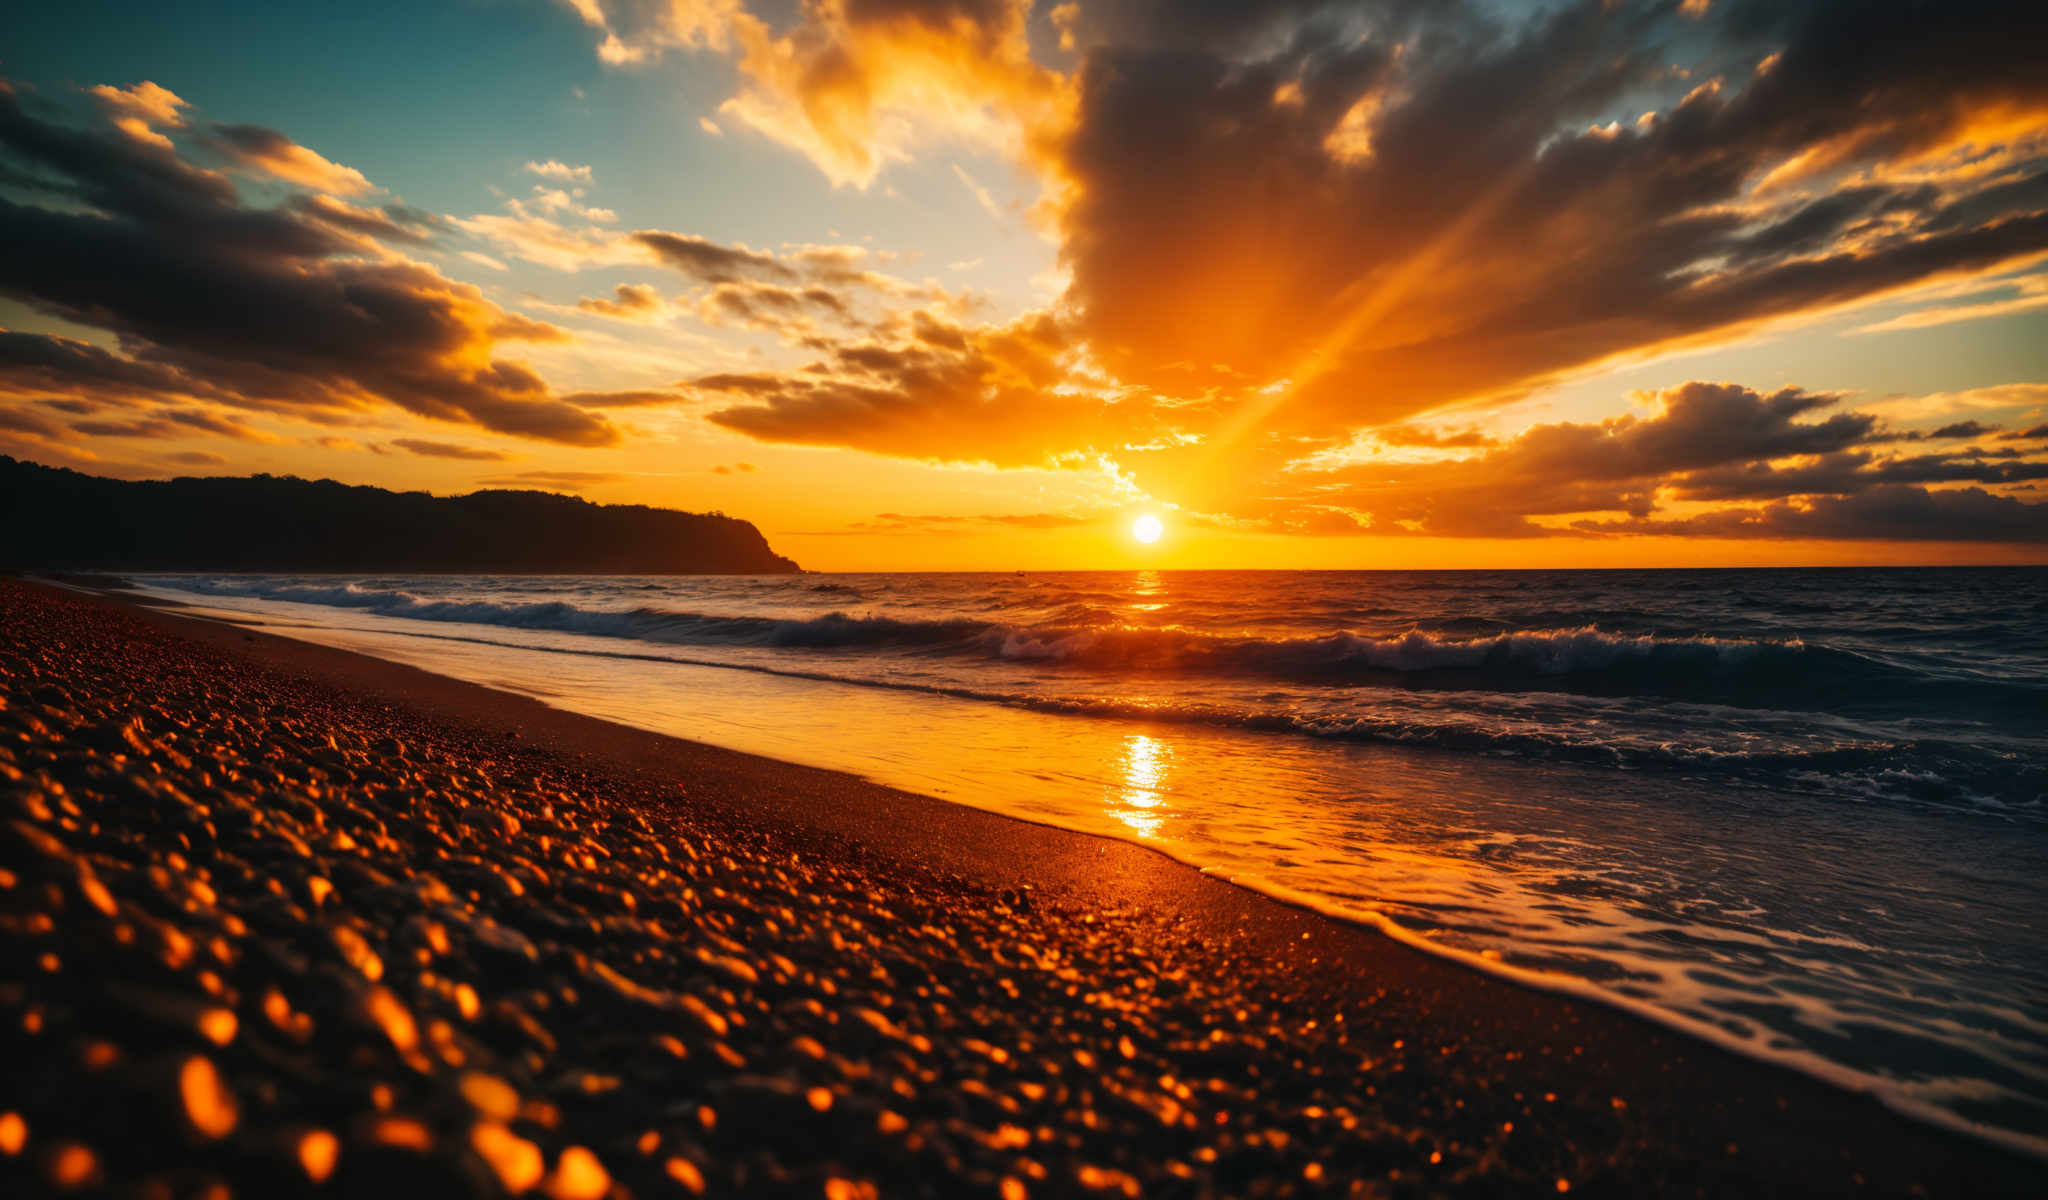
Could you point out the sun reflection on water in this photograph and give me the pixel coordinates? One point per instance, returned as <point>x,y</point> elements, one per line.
<point>1141,769</point>
<point>1148,592</point>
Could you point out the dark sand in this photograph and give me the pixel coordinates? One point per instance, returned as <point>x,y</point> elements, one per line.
<point>272,913</point>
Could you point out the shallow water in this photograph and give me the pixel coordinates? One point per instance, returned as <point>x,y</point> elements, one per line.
<point>1800,812</point>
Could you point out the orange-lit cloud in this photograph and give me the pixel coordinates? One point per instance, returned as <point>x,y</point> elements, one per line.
<point>995,394</point>
<point>270,151</point>
<point>855,84</point>
<point>629,302</point>
<point>636,31</point>
<point>138,110</point>
<point>1817,476</point>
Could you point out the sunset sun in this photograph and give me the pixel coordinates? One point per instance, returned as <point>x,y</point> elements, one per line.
<point>1147,528</point>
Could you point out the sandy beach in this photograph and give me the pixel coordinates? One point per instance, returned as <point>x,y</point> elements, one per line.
<point>280,917</point>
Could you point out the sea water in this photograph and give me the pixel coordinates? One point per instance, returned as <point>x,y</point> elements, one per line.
<point>1796,812</point>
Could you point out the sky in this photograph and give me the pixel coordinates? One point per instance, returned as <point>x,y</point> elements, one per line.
<point>975,284</point>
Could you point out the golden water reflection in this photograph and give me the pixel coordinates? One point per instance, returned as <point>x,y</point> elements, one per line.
<point>1142,767</point>
<point>1148,592</point>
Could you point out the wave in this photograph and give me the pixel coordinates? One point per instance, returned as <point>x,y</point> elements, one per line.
<point>1845,760</point>
<point>1584,659</point>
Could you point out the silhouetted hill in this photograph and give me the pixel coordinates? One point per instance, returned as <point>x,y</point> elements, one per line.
<point>55,518</point>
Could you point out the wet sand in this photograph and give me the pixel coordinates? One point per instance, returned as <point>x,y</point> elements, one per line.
<point>287,918</point>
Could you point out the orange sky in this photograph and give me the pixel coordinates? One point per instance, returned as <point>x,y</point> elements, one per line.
<point>933,284</point>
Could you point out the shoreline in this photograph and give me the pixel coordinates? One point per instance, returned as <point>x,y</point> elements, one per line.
<point>1756,1047</point>
<point>1682,1106</point>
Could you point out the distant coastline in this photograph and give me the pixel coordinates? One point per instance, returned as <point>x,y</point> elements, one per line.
<point>59,519</point>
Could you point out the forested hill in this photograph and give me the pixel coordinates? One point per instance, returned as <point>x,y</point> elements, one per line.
<point>51,517</point>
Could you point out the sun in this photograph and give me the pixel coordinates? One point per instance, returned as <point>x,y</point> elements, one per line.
<point>1147,528</point>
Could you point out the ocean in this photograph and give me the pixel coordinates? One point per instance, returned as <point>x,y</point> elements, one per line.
<point>1799,813</point>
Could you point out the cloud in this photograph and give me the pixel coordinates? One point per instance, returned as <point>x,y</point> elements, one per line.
<point>1895,513</point>
<point>559,170</point>
<point>138,110</point>
<point>772,306</point>
<point>2030,294</point>
<point>981,195</point>
<point>274,308</point>
<point>570,481</point>
<point>1432,439</point>
<point>890,522</point>
<point>1935,405</point>
<point>173,423</point>
<point>429,449</point>
<point>638,31</point>
<point>944,393</point>
<point>48,367</point>
<point>626,399</point>
<point>1699,444</point>
<point>859,83</point>
<point>391,223</point>
<point>631,302</point>
<point>268,150</point>
<point>854,84</point>
<point>738,468</point>
<point>18,420</point>
<point>706,260</point>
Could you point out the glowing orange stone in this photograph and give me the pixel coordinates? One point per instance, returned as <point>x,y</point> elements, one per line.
<point>209,1105</point>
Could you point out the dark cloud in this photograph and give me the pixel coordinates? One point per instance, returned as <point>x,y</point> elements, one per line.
<point>1844,474</point>
<point>427,449</point>
<point>773,306</point>
<point>706,260</point>
<point>391,223</point>
<point>1895,512</point>
<point>270,151</point>
<point>267,306</point>
<point>1963,429</point>
<point>142,428</point>
<point>33,364</point>
<point>1704,443</point>
<point>2037,433</point>
<point>21,420</point>
<point>761,383</point>
<point>568,481</point>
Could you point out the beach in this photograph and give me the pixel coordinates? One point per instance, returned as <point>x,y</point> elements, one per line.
<point>277,915</point>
